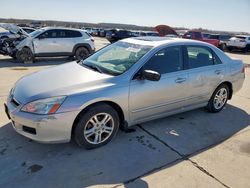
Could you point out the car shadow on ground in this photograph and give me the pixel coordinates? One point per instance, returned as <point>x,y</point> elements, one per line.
<point>130,156</point>
<point>6,62</point>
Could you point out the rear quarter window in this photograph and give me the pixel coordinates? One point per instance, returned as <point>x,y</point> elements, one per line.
<point>72,34</point>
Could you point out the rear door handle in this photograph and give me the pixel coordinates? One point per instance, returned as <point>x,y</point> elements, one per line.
<point>180,80</point>
<point>217,72</point>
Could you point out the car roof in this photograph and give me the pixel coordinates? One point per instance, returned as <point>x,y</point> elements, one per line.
<point>64,28</point>
<point>158,41</point>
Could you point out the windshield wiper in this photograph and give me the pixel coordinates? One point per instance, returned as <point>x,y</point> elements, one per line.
<point>93,67</point>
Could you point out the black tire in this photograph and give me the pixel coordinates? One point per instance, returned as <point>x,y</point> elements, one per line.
<point>25,55</point>
<point>246,49</point>
<point>81,53</point>
<point>223,47</point>
<point>211,103</point>
<point>230,49</point>
<point>85,124</point>
<point>13,56</point>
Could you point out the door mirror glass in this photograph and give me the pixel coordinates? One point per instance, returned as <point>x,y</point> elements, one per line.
<point>151,75</point>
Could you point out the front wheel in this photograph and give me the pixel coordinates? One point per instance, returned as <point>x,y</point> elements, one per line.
<point>218,99</point>
<point>25,55</point>
<point>96,127</point>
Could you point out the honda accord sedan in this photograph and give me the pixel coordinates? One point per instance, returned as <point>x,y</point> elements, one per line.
<point>129,82</point>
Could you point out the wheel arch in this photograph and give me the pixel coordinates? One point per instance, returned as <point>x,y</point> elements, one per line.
<point>230,86</point>
<point>85,45</point>
<point>110,103</point>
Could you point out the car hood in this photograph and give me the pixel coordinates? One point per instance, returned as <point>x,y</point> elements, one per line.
<point>66,79</point>
<point>13,29</point>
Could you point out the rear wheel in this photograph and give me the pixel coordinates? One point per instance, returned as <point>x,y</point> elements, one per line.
<point>230,49</point>
<point>223,47</point>
<point>218,99</point>
<point>81,53</point>
<point>25,56</point>
<point>96,127</point>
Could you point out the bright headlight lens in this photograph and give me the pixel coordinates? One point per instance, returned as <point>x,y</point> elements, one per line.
<point>44,106</point>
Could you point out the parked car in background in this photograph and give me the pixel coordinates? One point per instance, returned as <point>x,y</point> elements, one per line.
<point>239,42</point>
<point>52,42</point>
<point>28,29</point>
<point>223,39</point>
<point>114,35</point>
<point>138,33</point>
<point>102,33</point>
<point>197,35</point>
<point>11,36</point>
<point>6,34</point>
<point>171,36</point>
<point>10,31</point>
<point>96,31</point>
<point>152,34</point>
<point>126,83</point>
<point>89,30</point>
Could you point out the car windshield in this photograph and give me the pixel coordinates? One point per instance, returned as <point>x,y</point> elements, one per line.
<point>116,58</point>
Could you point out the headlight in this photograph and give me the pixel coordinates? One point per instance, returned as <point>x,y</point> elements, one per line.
<point>44,106</point>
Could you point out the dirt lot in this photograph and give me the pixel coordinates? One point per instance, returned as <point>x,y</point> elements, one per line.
<point>192,149</point>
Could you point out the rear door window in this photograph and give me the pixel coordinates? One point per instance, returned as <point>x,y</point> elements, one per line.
<point>199,56</point>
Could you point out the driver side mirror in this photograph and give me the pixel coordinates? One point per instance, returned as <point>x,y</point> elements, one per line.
<point>150,75</point>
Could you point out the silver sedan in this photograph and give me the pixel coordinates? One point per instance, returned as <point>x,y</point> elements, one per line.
<point>126,83</point>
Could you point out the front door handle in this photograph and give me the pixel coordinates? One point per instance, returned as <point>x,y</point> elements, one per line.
<point>180,80</point>
<point>217,72</point>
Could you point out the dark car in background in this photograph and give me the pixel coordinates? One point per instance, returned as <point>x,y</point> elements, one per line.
<point>102,33</point>
<point>152,34</point>
<point>223,39</point>
<point>114,35</point>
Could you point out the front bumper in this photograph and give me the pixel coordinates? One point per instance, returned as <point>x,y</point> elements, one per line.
<point>55,128</point>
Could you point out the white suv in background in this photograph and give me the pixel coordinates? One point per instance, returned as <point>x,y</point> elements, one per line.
<point>53,42</point>
<point>240,42</point>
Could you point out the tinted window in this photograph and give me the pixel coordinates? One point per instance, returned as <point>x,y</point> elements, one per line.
<point>50,34</point>
<point>72,34</point>
<point>225,37</point>
<point>240,37</point>
<point>197,35</point>
<point>214,37</point>
<point>198,56</point>
<point>166,61</point>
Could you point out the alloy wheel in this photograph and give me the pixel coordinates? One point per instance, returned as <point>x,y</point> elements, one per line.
<point>99,128</point>
<point>220,98</point>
